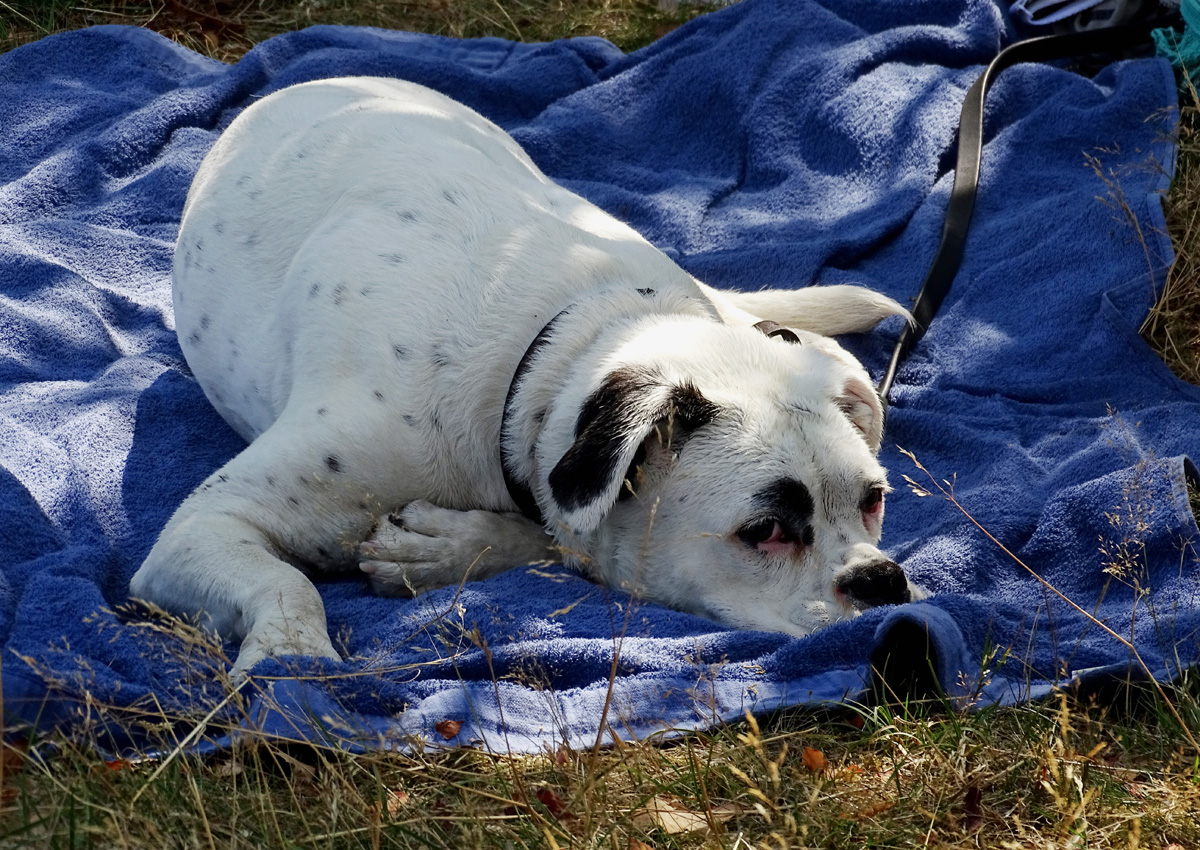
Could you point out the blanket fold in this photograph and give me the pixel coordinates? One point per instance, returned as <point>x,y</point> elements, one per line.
<point>770,143</point>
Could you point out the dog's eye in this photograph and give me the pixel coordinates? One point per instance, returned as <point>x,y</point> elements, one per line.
<point>873,501</point>
<point>762,531</point>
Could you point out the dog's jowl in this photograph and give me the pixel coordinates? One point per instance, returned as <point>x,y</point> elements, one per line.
<point>447,366</point>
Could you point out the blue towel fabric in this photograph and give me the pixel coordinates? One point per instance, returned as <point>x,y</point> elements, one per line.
<point>781,142</point>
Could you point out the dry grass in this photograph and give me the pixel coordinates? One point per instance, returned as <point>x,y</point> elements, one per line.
<point>1056,775</point>
<point>1173,327</point>
<point>225,29</point>
<point>1060,774</point>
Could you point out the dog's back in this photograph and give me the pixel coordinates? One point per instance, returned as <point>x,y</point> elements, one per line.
<point>381,233</point>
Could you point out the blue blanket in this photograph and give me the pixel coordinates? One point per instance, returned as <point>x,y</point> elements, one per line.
<point>774,142</point>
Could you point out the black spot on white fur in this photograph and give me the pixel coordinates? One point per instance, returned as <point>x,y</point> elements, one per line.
<point>788,502</point>
<point>610,416</point>
<point>333,464</point>
<point>400,352</point>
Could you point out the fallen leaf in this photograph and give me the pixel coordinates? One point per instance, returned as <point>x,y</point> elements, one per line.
<point>396,800</point>
<point>814,760</point>
<point>634,844</point>
<point>448,728</point>
<point>672,817</point>
<point>869,812</point>
<point>553,803</point>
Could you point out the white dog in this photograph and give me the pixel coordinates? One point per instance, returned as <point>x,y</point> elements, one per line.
<point>377,287</point>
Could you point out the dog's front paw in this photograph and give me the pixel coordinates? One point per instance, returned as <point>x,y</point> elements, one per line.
<point>276,639</point>
<point>423,547</point>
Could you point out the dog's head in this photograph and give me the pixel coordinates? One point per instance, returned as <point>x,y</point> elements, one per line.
<point>722,472</point>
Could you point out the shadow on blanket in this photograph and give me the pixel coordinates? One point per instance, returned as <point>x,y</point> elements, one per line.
<point>769,143</point>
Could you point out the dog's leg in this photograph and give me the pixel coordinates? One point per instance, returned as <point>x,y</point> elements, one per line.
<point>423,547</point>
<point>223,551</point>
<point>825,310</point>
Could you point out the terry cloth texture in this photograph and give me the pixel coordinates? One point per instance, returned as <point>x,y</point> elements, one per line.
<point>770,143</point>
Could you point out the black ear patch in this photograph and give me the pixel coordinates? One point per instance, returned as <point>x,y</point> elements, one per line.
<point>610,428</point>
<point>608,415</point>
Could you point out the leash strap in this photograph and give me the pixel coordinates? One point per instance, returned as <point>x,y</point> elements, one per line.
<point>966,172</point>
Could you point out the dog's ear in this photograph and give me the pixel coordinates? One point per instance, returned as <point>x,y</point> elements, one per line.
<point>613,423</point>
<point>859,401</point>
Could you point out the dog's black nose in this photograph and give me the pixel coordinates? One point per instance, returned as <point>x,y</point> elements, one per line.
<point>877,583</point>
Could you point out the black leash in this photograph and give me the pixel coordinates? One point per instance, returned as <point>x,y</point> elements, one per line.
<point>970,147</point>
